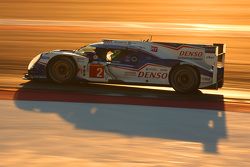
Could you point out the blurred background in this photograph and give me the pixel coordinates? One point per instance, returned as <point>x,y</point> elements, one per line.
<point>29,27</point>
<point>36,133</point>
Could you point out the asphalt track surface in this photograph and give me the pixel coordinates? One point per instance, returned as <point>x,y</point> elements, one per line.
<point>30,27</point>
<point>22,39</point>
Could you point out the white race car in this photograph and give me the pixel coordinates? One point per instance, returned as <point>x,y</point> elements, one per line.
<point>185,67</point>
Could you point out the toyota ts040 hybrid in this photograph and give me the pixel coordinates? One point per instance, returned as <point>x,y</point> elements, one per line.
<point>185,67</point>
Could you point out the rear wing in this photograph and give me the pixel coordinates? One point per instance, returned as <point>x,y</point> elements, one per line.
<point>215,56</point>
<point>219,61</point>
<point>221,52</point>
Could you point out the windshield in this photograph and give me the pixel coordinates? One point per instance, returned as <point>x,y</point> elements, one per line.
<point>104,54</point>
<point>86,48</point>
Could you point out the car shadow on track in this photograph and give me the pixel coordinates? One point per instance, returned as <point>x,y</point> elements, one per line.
<point>192,125</point>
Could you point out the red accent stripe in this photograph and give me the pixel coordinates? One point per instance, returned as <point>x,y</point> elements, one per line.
<point>132,69</point>
<point>179,47</point>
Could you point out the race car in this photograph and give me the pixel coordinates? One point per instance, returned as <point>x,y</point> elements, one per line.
<point>185,67</point>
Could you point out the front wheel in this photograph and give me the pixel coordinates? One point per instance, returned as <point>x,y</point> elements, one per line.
<point>62,70</point>
<point>185,79</point>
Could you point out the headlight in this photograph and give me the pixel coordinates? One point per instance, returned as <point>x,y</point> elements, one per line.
<point>33,61</point>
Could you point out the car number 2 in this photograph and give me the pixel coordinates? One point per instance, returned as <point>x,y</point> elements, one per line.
<point>96,71</point>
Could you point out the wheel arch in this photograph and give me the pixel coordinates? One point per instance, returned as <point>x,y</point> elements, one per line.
<point>183,64</point>
<point>57,57</point>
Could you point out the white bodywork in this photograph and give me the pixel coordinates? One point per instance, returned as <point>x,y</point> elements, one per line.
<point>150,72</point>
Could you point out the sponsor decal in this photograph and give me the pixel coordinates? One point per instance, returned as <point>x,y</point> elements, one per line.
<point>156,75</point>
<point>154,48</point>
<point>209,57</point>
<point>191,54</point>
<point>195,55</point>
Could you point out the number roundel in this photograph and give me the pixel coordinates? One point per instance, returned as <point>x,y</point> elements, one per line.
<point>96,71</point>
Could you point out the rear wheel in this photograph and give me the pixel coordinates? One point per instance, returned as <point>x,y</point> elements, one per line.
<point>62,70</point>
<point>185,79</point>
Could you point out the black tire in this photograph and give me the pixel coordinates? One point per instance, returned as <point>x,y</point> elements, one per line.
<point>61,70</point>
<point>185,79</point>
